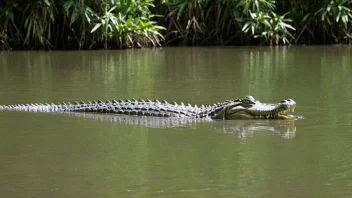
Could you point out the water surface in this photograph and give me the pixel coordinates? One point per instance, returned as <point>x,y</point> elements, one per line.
<point>69,155</point>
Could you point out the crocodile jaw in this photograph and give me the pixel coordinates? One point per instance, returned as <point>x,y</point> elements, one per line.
<point>263,111</point>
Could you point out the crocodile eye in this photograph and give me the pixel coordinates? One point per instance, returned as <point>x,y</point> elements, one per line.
<point>283,101</point>
<point>246,100</point>
<point>251,98</point>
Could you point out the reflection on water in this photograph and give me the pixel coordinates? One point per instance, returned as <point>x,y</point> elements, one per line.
<point>244,128</point>
<point>147,121</point>
<point>248,128</point>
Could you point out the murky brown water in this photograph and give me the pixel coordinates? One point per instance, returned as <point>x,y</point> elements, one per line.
<point>70,155</point>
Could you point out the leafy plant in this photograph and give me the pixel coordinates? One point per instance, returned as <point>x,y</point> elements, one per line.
<point>201,21</point>
<point>108,22</point>
<point>267,23</point>
<point>336,12</point>
<point>82,24</point>
<point>7,19</point>
<point>38,22</point>
<point>130,22</point>
<point>255,6</point>
<point>186,19</point>
<point>79,15</point>
<point>270,26</point>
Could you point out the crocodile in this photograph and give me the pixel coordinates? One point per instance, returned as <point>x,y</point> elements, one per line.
<point>245,108</point>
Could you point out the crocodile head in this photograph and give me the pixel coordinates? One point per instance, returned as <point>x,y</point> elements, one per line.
<point>249,108</point>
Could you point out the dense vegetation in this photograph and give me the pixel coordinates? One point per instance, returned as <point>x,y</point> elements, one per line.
<point>86,24</point>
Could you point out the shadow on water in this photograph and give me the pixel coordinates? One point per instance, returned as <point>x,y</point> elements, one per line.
<point>243,128</point>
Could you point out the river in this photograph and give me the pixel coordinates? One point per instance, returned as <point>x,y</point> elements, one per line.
<point>85,155</point>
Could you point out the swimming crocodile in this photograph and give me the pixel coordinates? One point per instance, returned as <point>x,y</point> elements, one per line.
<point>246,108</point>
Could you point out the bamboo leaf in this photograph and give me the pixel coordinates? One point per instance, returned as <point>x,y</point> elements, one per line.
<point>111,9</point>
<point>338,17</point>
<point>95,27</point>
<point>306,17</point>
<point>245,26</point>
<point>287,25</point>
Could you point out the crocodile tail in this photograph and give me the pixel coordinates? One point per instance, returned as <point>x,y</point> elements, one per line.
<point>35,107</point>
<point>61,107</point>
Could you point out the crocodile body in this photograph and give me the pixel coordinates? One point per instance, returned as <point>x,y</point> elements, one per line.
<point>246,108</point>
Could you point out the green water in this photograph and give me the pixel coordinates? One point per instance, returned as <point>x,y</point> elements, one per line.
<point>68,155</point>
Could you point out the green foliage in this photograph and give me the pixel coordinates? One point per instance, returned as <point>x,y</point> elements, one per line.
<point>6,18</point>
<point>320,21</point>
<point>337,15</point>
<point>255,6</point>
<point>40,17</point>
<point>201,21</point>
<point>260,20</point>
<point>270,26</point>
<point>130,22</point>
<point>222,21</point>
<point>85,24</point>
<point>79,15</point>
<point>82,23</point>
<point>337,11</point>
